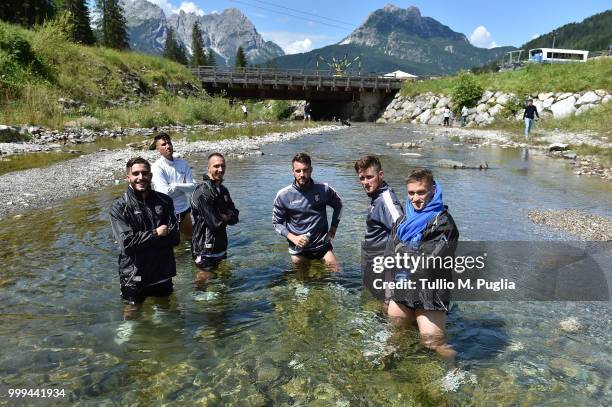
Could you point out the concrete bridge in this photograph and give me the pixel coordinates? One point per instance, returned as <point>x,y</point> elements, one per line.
<point>355,96</point>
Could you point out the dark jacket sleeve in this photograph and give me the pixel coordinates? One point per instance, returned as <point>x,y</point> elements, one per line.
<point>333,200</point>
<point>173,237</point>
<point>129,240</point>
<point>279,216</point>
<point>233,211</point>
<point>441,238</point>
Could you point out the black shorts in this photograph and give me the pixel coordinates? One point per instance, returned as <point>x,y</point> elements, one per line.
<point>183,215</point>
<point>317,253</point>
<point>208,263</point>
<point>137,294</point>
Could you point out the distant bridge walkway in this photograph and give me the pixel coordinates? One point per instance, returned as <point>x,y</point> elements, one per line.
<point>296,84</point>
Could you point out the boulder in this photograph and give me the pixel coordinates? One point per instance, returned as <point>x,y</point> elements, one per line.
<point>539,105</point>
<point>437,119</point>
<point>417,111</point>
<point>601,93</point>
<point>584,108</point>
<point>495,110</point>
<point>459,165</point>
<point>570,155</point>
<point>498,94</point>
<point>472,110</point>
<point>389,113</point>
<point>407,105</point>
<point>564,107</point>
<point>481,118</point>
<point>548,103</point>
<point>424,117</point>
<point>503,99</point>
<point>571,325</point>
<point>557,147</point>
<point>442,102</point>
<point>487,94</point>
<point>589,97</point>
<point>481,108</point>
<point>606,99</point>
<point>545,95</point>
<point>561,96</point>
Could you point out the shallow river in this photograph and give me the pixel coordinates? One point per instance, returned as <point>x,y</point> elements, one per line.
<point>260,334</point>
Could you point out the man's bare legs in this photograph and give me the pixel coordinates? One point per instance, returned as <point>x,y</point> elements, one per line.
<point>302,263</point>
<point>431,327</point>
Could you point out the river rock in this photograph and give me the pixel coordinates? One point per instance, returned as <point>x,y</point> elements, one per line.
<point>481,108</point>
<point>584,108</point>
<point>495,110</point>
<point>557,147</point>
<point>402,145</point>
<point>481,118</point>
<point>570,155</point>
<point>487,94</point>
<point>548,103</point>
<point>589,97</point>
<point>424,117</point>
<point>606,99</point>
<point>571,325</point>
<point>416,155</point>
<point>442,102</point>
<point>564,107</point>
<point>545,95</point>
<point>459,165</point>
<point>437,120</point>
<point>601,92</point>
<point>389,113</point>
<point>563,95</point>
<point>503,99</point>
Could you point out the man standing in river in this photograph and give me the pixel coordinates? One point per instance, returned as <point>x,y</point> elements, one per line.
<point>300,215</point>
<point>212,209</point>
<point>172,176</point>
<point>145,227</point>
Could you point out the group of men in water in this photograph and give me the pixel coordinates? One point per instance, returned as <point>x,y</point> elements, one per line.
<point>163,200</point>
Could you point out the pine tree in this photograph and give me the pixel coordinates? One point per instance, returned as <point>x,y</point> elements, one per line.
<point>26,12</point>
<point>198,57</point>
<point>211,58</point>
<point>79,17</point>
<point>241,61</point>
<point>112,25</point>
<point>172,49</point>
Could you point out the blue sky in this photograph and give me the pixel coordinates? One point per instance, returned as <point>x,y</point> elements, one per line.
<point>299,26</point>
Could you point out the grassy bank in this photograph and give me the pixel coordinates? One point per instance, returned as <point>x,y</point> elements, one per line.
<point>38,67</point>
<point>594,74</point>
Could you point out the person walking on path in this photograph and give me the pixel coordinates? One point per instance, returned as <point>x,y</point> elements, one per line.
<point>464,115</point>
<point>447,115</point>
<point>245,110</point>
<point>529,116</point>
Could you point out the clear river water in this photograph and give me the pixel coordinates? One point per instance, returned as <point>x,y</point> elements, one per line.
<point>261,334</point>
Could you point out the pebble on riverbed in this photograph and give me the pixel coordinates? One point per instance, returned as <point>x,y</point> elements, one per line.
<point>571,325</point>
<point>586,226</point>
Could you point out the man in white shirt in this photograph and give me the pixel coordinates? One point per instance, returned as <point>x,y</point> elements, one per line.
<point>172,176</point>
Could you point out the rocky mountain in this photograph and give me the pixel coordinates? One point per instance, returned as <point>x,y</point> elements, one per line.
<point>147,26</point>
<point>222,32</point>
<point>395,38</point>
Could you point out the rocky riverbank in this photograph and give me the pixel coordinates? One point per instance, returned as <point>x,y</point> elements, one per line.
<point>42,187</point>
<point>39,139</point>
<point>579,223</point>
<point>429,108</point>
<point>555,145</point>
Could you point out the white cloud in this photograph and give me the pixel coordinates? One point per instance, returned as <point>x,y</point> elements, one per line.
<point>295,42</point>
<point>481,37</point>
<point>186,6</point>
<point>189,7</point>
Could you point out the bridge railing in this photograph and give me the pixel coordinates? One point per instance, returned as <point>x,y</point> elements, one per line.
<point>294,77</point>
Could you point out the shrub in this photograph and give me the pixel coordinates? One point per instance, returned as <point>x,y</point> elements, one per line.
<point>466,91</point>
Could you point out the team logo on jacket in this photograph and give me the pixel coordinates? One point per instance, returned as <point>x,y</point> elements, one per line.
<point>158,209</point>
<point>317,197</point>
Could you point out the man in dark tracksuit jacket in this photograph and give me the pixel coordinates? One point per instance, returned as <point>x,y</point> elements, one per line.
<point>146,229</point>
<point>299,214</point>
<point>385,209</point>
<point>212,210</point>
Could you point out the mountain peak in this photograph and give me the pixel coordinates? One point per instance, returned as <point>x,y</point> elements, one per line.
<point>412,10</point>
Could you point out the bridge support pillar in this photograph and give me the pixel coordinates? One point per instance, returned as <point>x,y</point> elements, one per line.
<point>370,105</point>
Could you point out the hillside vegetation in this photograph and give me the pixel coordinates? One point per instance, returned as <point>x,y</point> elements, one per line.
<point>534,78</point>
<point>45,79</point>
<point>593,34</point>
